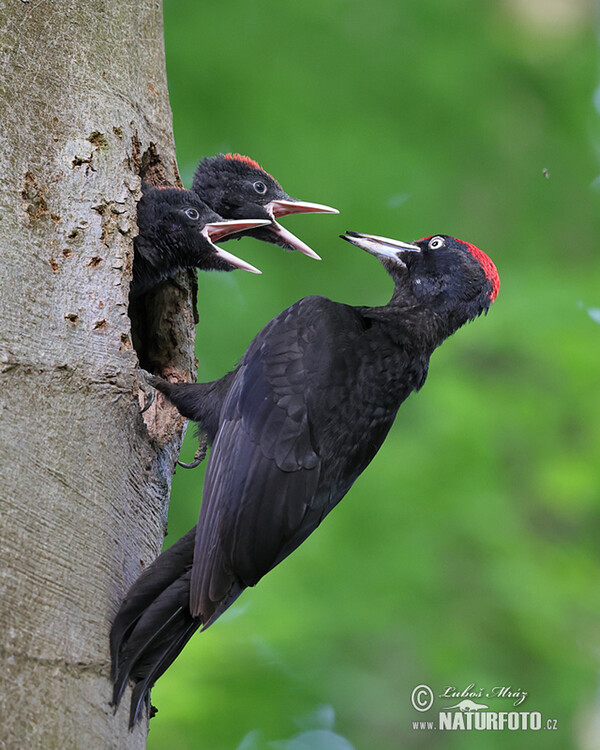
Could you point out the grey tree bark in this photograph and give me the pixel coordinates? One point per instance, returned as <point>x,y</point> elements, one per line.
<point>84,478</point>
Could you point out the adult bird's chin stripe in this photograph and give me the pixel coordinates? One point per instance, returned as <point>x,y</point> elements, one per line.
<point>233,260</point>
<point>292,241</point>
<point>285,207</point>
<point>381,246</point>
<point>217,230</point>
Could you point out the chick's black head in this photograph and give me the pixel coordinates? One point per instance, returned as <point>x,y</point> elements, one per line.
<point>176,230</point>
<point>238,187</point>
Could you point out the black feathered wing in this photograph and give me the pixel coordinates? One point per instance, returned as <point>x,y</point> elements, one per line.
<point>264,491</point>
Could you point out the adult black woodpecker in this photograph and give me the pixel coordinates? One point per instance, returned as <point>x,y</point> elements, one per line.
<point>178,230</point>
<point>236,186</point>
<point>292,427</point>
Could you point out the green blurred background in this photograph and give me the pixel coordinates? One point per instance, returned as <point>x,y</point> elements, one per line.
<point>468,550</point>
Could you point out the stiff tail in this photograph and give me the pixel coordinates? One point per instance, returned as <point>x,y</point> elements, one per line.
<point>165,570</point>
<point>153,624</point>
<point>179,635</point>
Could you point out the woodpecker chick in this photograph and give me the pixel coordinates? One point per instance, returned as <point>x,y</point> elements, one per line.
<point>236,186</point>
<point>178,230</point>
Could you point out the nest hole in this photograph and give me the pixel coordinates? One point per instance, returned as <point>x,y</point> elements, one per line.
<point>163,318</point>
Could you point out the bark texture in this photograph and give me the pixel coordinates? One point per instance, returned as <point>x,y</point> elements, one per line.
<point>84,479</point>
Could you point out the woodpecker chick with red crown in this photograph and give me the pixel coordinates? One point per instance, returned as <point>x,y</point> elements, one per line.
<point>178,230</point>
<point>236,186</point>
<point>292,427</point>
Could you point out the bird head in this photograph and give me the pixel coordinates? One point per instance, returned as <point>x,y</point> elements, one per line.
<point>238,187</point>
<point>448,276</point>
<point>184,230</point>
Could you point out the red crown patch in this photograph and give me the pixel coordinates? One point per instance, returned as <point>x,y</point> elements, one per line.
<point>245,159</point>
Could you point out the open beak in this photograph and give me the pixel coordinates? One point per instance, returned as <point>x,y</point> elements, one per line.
<point>218,230</point>
<point>277,208</point>
<point>285,207</point>
<point>382,247</point>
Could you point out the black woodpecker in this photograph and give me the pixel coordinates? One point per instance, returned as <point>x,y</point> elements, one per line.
<point>292,427</point>
<point>236,187</point>
<point>178,230</point>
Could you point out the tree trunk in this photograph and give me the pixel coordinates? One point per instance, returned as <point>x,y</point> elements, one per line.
<point>85,478</point>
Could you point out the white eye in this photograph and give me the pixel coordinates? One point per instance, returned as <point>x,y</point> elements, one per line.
<point>191,213</point>
<point>436,242</point>
<point>260,187</point>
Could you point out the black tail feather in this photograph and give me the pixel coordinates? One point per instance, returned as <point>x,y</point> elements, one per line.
<point>157,577</point>
<point>153,624</point>
<point>153,627</point>
<point>141,691</point>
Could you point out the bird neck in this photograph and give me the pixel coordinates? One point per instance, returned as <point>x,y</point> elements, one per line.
<point>411,323</point>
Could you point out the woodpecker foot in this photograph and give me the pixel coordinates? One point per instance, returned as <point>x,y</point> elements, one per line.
<point>146,380</point>
<point>199,456</point>
<point>149,402</point>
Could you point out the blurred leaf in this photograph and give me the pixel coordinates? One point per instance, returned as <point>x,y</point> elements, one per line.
<point>594,313</point>
<point>322,717</point>
<point>252,741</point>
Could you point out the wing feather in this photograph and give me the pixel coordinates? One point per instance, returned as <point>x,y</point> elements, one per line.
<point>263,492</point>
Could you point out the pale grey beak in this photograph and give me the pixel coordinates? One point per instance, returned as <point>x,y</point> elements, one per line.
<point>218,230</point>
<point>277,208</point>
<point>382,247</point>
<point>291,206</point>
